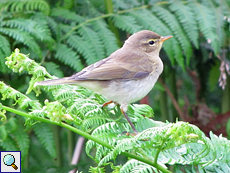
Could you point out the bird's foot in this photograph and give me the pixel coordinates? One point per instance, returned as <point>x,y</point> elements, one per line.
<point>130,134</point>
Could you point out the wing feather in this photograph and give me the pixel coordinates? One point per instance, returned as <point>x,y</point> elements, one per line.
<point>118,65</point>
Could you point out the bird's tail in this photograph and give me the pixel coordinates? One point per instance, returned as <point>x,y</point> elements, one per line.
<point>65,80</point>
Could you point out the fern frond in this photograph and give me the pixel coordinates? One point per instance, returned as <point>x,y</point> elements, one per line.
<point>82,46</point>
<point>177,51</point>
<point>111,129</point>
<point>53,25</point>
<point>68,95</point>
<point>68,57</point>
<point>46,137</point>
<point>53,69</point>
<point>66,15</point>
<point>92,122</point>
<point>124,4</point>
<point>174,25</point>
<point>68,4</point>
<point>140,110</point>
<point>4,46</point>
<point>9,144</point>
<point>4,51</point>
<point>25,5</point>
<point>19,62</point>
<point>149,21</point>
<point>111,133</point>
<point>148,142</point>
<point>22,139</point>
<point>106,35</point>
<point>206,19</point>
<point>187,19</point>
<point>219,16</point>
<point>94,43</point>
<point>127,167</point>
<point>30,26</point>
<point>126,23</point>
<point>19,98</point>
<point>3,133</point>
<point>137,166</point>
<point>22,37</point>
<point>11,124</point>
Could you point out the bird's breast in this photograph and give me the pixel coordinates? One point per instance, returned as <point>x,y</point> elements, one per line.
<point>129,91</point>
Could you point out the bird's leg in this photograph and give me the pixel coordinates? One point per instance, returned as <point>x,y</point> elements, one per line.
<point>123,110</point>
<point>107,103</point>
<point>131,124</point>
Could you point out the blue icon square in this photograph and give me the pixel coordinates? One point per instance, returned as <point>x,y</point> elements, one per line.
<point>10,161</point>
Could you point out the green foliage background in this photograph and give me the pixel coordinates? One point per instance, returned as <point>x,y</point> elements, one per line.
<point>64,36</point>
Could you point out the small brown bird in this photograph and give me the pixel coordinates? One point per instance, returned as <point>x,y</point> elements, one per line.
<point>127,75</point>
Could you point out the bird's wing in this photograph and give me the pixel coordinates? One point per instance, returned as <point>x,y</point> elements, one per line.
<point>117,66</point>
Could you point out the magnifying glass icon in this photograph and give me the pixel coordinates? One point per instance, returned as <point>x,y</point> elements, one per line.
<point>9,160</point>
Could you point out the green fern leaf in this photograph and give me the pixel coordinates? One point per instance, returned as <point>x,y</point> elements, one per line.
<point>53,69</point>
<point>108,39</point>
<point>92,122</point>
<point>94,43</point>
<point>67,94</point>
<point>9,144</point>
<point>22,139</point>
<point>22,37</point>
<point>66,15</point>
<point>129,165</point>
<point>126,23</point>
<point>3,66</point>
<point>68,57</point>
<point>11,125</point>
<point>68,4</point>
<point>149,21</point>
<point>53,25</point>
<point>82,47</point>
<point>31,26</point>
<point>125,4</point>
<point>3,133</point>
<point>206,20</point>
<point>187,19</point>
<point>177,52</point>
<point>174,25</point>
<point>111,129</point>
<point>46,137</point>
<point>219,23</point>
<point>5,46</point>
<point>137,166</point>
<point>25,5</point>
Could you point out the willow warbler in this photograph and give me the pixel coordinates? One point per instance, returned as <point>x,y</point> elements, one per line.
<point>127,75</point>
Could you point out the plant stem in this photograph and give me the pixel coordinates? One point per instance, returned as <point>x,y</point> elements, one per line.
<point>86,135</point>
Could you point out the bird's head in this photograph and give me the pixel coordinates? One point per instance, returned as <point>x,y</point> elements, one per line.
<point>147,41</point>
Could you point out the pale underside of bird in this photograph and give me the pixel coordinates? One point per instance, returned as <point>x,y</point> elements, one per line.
<point>127,75</point>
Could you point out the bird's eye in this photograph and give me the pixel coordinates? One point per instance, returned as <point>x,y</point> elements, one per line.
<point>151,42</point>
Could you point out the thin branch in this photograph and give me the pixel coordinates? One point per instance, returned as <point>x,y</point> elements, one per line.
<point>77,152</point>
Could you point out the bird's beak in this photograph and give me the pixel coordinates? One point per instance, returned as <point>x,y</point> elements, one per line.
<point>163,38</point>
